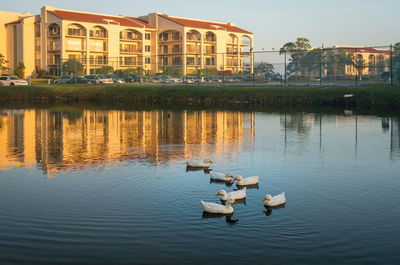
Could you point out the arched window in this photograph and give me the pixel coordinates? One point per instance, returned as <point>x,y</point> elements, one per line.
<point>54,30</point>
<point>98,32</point>
<point>193,35</point>
<point>130,34</point>
<point>76,30</point>
<point>210,37</point>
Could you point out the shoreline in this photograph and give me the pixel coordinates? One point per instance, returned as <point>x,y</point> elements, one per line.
<point>366,96</point>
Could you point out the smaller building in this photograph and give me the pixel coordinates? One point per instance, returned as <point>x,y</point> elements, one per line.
<point>377,60</point>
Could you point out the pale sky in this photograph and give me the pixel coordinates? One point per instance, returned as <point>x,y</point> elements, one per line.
<point>334,22</point>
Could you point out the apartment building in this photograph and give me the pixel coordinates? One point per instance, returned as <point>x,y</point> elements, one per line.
<point>151,43</point>
<point>377,60</point>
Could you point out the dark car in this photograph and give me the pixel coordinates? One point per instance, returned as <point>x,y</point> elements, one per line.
<point>133,78</point>
<point>79,80</point>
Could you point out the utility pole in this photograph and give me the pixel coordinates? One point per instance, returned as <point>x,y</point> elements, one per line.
<point>285,69</point>
<point>391,64</point>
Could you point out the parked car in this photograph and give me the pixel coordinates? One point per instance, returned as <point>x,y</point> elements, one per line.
<point>79,80</point>
<point>133,78</point>
<point>99,79</point>
<point>174,79</point>
<point>116,79</point>
<point>63,79</point>
<point>12,81</point>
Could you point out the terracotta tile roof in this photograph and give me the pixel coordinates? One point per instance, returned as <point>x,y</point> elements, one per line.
<point>100,19</point>
<point>362,49</point>
<point>15,22</point>
<point>137,20</point>
<point>205,24</point>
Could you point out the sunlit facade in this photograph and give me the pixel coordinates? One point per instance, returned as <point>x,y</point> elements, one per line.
<point>149,43</point>
<point>65,141</point>
<point>376,60</point>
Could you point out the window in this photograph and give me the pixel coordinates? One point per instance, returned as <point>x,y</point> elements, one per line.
<point>147,36</point>
<point>147,48</point>
<point>147,60</point>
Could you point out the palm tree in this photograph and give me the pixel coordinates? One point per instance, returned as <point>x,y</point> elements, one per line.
<point>360,65</point>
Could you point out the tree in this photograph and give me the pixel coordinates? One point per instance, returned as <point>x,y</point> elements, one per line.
<point>105,70</point>
<point>360,65</point>
<point>72,66</point>
<point>266,70</point>
<point>20,71</point>
<point>336,61</point>
<point>3,63</point>
<point>297,52</point>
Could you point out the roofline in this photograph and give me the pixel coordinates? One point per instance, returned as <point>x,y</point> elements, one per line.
<point>85,12</point>
<point>141,24</point>
<point>227,24</point>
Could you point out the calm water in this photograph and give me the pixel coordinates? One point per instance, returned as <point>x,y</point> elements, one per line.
<point>111,187</point>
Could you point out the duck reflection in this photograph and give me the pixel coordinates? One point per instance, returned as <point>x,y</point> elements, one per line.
<point>205,170</point>
<point>227,183</point>
<point>255,186</point>
<point>268,212</point>
<point>240,201</point>
<point>228,217</point>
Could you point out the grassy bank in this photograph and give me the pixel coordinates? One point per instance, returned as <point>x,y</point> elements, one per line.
<point>117,95</point>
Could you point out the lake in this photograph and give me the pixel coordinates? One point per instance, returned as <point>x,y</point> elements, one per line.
<point>94,186</point>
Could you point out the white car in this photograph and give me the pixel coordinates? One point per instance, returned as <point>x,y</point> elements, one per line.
<point>99,79</point>
<point>12,81</point>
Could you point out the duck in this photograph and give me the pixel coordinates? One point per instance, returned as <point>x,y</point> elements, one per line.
<point>211,207</point>
<point>274,200</point>
<point>246,181</point>
<point>236,195</point>
<point>199,163</point>
<point>221,176</point>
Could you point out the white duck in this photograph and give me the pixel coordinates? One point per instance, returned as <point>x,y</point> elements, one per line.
<point>275,200</point>
<point>211,207</point>
<point>221,176</point>
<point>246,181</point>
<point>199,163</point>
<point>236,195</point>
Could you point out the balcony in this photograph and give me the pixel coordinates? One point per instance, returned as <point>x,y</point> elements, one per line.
<point>76,33</point>
<point>53,48</point>
<point>193,38</point>
<point>53,35</point>
<point>170,39</point>
<point>193,50</point>
<point>98,62</point>
<point>97,35</point>
<point>125,38</point>
<point>232,51</point>
<point>210,39</point>
<point>127,50</point>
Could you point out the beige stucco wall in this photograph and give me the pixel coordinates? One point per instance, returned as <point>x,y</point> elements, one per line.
<point>7,17</point>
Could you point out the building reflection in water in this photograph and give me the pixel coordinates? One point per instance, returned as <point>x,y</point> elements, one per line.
<point>60,141</point>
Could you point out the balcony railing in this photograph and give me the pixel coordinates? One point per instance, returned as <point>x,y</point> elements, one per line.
<point>53,48</point>
<point>130,64</point>
<point>191,50</point>
<point>98,62</point>
<point>193,38</point>
<point>98,35</point>
<point>53,35</point>
<point>125,38</point>
<point>210,52</point>
<point>210,39</point>
<point>170,39</point>
<point>127,50</point>
<point>176,50</point>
